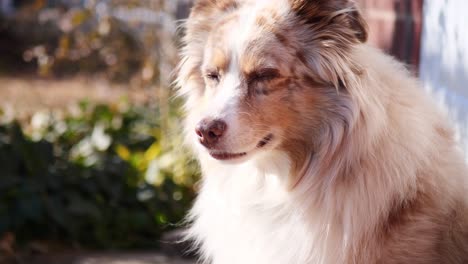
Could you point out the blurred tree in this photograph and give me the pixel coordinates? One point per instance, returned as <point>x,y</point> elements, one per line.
<point>122,38</point>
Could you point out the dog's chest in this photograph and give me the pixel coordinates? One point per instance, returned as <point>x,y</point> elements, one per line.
<point>255,221</point>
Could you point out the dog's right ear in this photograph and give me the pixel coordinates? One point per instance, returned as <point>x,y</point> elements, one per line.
<point>333,13</point>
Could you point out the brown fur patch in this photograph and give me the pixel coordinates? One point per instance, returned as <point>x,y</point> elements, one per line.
<point>282,38</point>
<point>261,21</point>
<point>220,59</point>
<point>323,14</point>
<point>301,55</point>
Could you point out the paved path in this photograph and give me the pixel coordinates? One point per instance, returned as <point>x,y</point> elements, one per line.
<point>108,258</point>
<point>132,259</point>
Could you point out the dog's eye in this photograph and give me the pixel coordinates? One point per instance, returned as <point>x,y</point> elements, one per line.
<point>213,76</point>
<point>263,75</point>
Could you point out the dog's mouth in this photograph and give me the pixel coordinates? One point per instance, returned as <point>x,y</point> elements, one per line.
<point>232,156</point>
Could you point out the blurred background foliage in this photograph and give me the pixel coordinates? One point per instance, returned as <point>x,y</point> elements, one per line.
<point>94,174</point>
<point>100,177</point>
<point>116,37</point>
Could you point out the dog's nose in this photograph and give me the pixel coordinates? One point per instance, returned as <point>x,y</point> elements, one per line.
<point>210,131</point>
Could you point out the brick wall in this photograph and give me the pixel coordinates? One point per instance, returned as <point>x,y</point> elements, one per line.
<point>395,26</point>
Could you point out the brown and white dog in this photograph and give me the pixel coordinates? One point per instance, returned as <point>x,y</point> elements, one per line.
<point>314,147</point>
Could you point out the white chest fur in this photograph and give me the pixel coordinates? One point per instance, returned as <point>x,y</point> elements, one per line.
<point>244,214</point>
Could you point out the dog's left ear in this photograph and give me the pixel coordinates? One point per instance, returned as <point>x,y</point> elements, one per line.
<point>323,13</point>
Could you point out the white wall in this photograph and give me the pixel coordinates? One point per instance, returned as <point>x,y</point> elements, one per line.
<point>444,58</point>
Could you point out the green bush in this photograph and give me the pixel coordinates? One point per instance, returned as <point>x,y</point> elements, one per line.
<point>100,176</point>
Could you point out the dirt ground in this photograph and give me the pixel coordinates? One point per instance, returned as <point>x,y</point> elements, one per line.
<point>24,96</point>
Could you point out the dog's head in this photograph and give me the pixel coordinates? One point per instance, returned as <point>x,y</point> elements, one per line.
<point>267,74</point>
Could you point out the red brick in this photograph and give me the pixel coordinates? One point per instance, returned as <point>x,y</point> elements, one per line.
<point>381,33</point>
<point>395,26</point>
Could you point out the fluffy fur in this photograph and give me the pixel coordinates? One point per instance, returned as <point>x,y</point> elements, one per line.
<point>341,157</point>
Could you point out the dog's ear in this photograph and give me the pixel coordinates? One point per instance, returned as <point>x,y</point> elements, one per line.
<point>323,13</point>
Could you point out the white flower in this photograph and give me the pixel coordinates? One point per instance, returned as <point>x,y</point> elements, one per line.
<point>145,195</point>
<point>100,140</point>
<point>60,127</point>
<point>83,149</point>
<point>166,161</point>
<point>40,120</point>
<point>8,114</point>
<point>153,173</point>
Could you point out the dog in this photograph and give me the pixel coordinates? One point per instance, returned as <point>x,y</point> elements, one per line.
<point>314,146</point>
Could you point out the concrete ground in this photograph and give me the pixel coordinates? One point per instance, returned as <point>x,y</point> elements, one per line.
<point>103,258</point>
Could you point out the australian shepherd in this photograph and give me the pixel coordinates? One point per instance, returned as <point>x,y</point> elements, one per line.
<point>314,147</point>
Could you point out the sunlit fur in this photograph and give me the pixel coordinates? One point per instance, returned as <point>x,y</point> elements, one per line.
<point>362,167</point>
